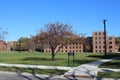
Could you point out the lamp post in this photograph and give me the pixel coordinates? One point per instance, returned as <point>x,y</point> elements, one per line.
<point>104,22</point>
<point>19,45</point>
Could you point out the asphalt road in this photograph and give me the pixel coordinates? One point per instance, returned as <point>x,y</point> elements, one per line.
<point>26,76</point>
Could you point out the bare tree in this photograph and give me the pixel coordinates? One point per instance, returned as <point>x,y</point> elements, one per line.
<point>2,34</point>
<point>54,34</point>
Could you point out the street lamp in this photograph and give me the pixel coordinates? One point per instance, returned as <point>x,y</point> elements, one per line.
<point>104,22</point>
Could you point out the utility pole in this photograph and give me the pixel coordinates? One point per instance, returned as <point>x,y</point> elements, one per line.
<point>104,22</point>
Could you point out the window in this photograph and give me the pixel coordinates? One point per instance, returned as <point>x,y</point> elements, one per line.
<point>110,38</point>
<point>76,47</point>
<point>66,50</point>
<point>96,42</point>
<point>73,47</point>
<point>100,47</point>
<point>95,33</point>
<point>103,46</point>
<point>99,42</point>
<point>70,47</point>
<point>99,37</point>
<point>110,42</point>
<point>79,43</point>
<point>95,38</point>
<point>110,50</point>
<point>79,47</point>
<point>73,50</point>
<point>110,47</point>
<point>99,33</point>
<point>103,33</point>
<point>96,47</point>
<point>66,47</point>
<point>96,51</point>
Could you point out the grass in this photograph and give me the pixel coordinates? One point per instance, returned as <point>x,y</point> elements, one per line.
<point>42,59</point>
<point>36,58</point>
<point>109,74</point>
<point>112,64</point>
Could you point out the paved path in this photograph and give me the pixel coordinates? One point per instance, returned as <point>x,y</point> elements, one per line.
<point>36,66</point>
<point>86,71</point>
<point>27,76</point>
<point>108,70</point>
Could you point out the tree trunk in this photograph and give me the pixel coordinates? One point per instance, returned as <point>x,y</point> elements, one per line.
<point>53,55</point>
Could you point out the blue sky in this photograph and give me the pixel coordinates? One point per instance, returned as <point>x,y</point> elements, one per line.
<point>22,18</point>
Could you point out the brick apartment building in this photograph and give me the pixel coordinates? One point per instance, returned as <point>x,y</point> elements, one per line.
<point>117,48</point>
<point>98,42</point>
<point>73,47</point>
<point>4,46</point>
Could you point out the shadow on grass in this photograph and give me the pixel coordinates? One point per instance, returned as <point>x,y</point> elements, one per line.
<point>115,75</point>
<point>79,62</point>
<point>34,71</point>
<point>108,56</point>
<point>110,65</point>
<point>39,71</point>
<point>40,59</point>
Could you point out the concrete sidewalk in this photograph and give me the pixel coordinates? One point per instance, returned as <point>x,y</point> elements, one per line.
<point>36,66</point>
<point>86,71</point>
<point>27,76</point>
<point>108,70</point>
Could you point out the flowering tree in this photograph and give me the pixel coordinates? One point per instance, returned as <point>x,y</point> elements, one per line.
<point>54,34</point>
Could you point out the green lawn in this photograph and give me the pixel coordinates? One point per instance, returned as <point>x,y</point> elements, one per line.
<point>37,58</point>
<point>109,74</point>
<point>115,64</point>
<point>45,58</point>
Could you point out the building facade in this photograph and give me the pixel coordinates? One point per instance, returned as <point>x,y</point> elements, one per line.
<point>99,42</point>
<point>117,48</point>
<point>94,44</point>
<point>4,46</point>
<point>73,47</point>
